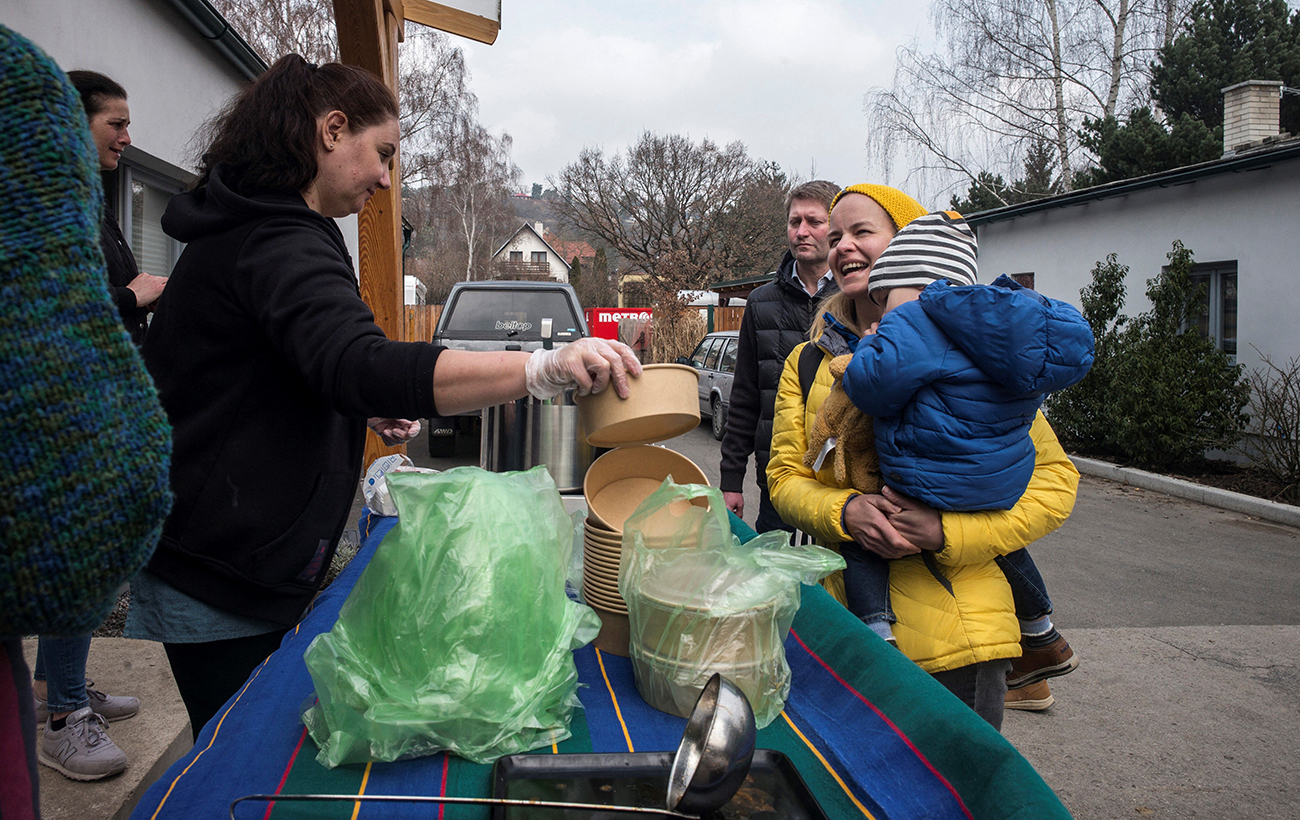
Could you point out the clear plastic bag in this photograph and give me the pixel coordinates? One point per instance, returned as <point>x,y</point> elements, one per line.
<point>458,636</point>
<point>701,602</point>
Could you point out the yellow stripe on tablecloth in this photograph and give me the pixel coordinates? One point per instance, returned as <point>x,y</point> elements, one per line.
<point>828,766</point>
<point>215,732</point>
<point>365,778</point>
<point>600,658</point>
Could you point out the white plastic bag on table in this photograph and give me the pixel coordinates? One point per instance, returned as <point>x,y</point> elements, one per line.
<point>701,602</point>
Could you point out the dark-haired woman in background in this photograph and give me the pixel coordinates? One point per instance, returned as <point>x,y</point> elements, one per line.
<point>72,711</point>
<point>109,116</point>
<point>270,366</point>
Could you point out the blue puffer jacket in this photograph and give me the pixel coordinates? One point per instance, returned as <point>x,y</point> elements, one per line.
<point>954,380</point>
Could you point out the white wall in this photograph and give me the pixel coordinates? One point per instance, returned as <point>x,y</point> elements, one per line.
<point>174,79</point>
<point>1252,217</point>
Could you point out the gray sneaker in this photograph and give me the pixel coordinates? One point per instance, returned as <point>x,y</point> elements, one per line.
<point>109,707</point>
<point>82,749</point>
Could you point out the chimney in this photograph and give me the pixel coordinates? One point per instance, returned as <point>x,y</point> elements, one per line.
<point>1250,113</point>
<point>537,226</point>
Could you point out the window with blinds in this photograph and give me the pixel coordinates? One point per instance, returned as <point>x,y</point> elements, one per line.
<point>155,252</point>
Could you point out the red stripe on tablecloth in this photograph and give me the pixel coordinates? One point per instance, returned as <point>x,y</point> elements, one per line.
<point>446,760</point>
<point>889,723</point>
<point>16,779</point>
<point>284,777</point>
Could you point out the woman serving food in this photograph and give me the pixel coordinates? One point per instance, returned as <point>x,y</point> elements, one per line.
<point>269,365</point>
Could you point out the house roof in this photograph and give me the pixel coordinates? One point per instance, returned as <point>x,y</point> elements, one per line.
<point>569,249</point>
<point>528,226</point>
<point>748,283</point>
<point>216,29</point>
<point>1250,160</point>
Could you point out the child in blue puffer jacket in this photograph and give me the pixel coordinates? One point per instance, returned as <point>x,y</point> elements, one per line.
<point>953,377</point>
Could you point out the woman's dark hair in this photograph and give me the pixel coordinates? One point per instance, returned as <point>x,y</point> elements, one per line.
<point>95,90</point>
<point>265,139</point>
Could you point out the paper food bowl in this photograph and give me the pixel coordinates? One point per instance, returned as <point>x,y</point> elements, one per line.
<point>617,482</point>
<point>613,632</point>
<point>664,402</point>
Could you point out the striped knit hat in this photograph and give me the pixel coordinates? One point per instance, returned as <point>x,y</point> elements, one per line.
<point>900,207</point>
<point>935,246</point>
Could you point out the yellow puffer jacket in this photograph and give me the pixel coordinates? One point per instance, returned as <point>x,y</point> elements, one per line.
<point>937,628</point>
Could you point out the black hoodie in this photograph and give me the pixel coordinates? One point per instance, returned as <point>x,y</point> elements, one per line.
<point>268,363</point>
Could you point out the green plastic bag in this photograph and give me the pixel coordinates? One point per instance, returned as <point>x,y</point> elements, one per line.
<point>458,636</point>
<point>701,602</point>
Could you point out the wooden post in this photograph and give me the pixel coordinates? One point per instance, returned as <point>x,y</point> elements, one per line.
<point>369,31</point>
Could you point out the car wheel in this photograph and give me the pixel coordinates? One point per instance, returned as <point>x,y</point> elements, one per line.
<point>719,419</point>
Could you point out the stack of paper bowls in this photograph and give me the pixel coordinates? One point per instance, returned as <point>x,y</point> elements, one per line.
<point>663,404</point>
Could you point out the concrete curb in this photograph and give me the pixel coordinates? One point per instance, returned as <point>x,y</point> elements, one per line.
<point>1213,496</point>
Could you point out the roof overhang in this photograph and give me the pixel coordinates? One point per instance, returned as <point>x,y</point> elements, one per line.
<point>1165,179</point>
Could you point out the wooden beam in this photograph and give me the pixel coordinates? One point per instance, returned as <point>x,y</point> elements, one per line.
<point>368,38</point>
<point>455,21</point>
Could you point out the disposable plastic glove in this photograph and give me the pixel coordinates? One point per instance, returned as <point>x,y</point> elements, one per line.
<point>394,431</point>
<point>588,364</point>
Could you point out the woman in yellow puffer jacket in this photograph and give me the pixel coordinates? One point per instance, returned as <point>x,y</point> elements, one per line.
<point>956,618</point>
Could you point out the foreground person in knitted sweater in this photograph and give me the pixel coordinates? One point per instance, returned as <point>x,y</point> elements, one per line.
<point>956,616</point>
<point>953,376</point>
<point>270,366</point>
<point>77,518</point>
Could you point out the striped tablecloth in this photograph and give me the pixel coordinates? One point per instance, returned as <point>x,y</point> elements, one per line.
<point>871,734</point>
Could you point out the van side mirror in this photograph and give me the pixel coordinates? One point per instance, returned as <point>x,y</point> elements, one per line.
<point>686,361</point>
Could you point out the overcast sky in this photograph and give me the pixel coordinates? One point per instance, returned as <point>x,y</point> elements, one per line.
<point>786,77</point>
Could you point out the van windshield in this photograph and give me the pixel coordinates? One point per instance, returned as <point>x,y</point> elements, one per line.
<point>509,314</point>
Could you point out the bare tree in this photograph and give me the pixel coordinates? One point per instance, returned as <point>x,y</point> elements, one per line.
<point>279,27</point>
<point>476,180</point>
<point>1008,73</point>
<point>663,207</point>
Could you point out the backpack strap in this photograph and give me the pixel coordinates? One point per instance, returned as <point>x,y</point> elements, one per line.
<point>810,358</point>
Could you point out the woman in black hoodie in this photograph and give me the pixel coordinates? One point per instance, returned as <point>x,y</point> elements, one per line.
<point>269,365</point>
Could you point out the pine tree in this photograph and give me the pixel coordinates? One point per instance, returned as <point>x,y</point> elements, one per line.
<point>1223,43</point>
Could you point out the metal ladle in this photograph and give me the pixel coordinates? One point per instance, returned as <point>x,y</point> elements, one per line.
<point>708,769</point>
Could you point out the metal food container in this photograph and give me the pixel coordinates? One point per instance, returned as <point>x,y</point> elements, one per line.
<point>524,433</point>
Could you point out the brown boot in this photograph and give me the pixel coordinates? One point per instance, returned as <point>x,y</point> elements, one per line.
<point>1035,697</point>
<point>1053,660</point>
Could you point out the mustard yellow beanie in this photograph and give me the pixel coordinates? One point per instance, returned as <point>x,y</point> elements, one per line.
<point>900,207</point>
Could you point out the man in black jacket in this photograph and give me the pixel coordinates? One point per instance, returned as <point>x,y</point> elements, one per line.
<point>777,316</point>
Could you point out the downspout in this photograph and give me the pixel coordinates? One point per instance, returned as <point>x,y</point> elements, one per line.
<point>213,27</point>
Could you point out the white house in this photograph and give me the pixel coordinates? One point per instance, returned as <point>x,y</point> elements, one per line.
<point>179,62</point>
<point>1239,215</point>
<point>527,254</point>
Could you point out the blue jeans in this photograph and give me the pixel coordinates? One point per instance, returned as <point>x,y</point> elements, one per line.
<point>61,663</point>
<point>866,584</point>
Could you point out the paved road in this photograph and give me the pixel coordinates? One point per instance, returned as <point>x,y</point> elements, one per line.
<point>1187,620</point>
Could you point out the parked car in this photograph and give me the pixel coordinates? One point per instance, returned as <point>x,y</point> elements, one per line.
<point>495,315</point>
<point>715,358</point>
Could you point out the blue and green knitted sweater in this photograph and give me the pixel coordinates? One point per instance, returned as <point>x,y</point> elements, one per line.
<point>84,443</point>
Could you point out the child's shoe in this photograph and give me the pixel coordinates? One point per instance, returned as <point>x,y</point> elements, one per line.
<point>1052,660</point>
